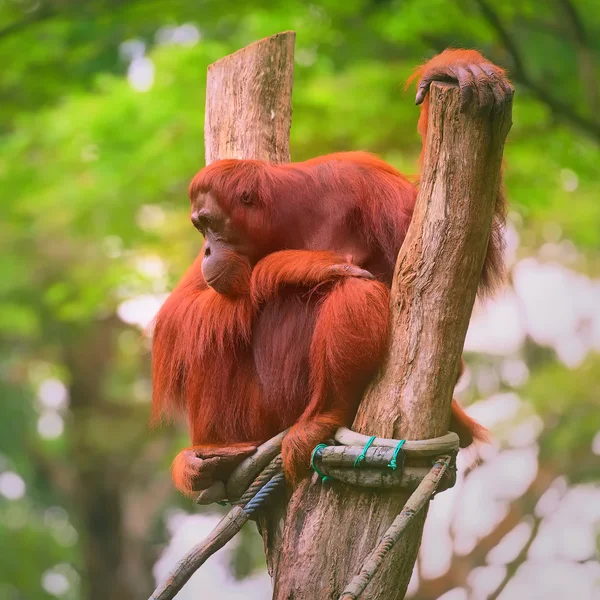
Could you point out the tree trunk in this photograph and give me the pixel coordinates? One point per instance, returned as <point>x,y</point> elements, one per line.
<point>114,566</point>
<point>317,537</point>
<point>330,529</point>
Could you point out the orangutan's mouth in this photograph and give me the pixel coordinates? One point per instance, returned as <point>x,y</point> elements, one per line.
<point>216,278</point>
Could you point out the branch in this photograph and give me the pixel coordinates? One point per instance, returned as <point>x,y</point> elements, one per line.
<point>588,125</point>
<point>513,565</point>
<point>41,14</point>
<point>225,530</point>
<point>461,566</point>
<point>574,21</point>
<point>585,56</point>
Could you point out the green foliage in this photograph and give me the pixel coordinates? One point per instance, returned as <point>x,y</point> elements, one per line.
<point>94,212</point>
<point>565,401</point>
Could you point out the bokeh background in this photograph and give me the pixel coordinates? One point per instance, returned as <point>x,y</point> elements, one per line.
<point>101,129</point>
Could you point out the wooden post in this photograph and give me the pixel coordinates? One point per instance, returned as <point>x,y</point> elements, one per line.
<point>249,102</point>
<point>317,537</point>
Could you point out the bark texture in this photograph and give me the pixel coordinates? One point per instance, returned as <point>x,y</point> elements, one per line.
<point>320,542</point>
<point>249,102</point>
<point>317,536</point>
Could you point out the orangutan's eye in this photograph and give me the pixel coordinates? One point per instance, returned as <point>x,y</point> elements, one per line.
<point>247,198</point>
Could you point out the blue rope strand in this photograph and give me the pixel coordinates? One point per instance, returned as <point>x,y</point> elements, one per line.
<point>263,494</point>
<point>392,464</point>
<point>362,455</point>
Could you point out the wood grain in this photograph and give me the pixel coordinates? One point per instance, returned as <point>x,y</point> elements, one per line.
<point>249,102</point>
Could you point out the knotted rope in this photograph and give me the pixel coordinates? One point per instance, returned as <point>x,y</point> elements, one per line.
<point>360,460</point>
<point>253,499</point>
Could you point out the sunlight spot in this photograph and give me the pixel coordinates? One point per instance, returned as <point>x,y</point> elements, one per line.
<point>436,548</point>
<point>514,372</point>
<point>56,516</point>
<point>89,153</point>
<point>569,180</point>
<point>454,594</point>
<point>550,251</point>
<point>112,246</point>
<point>141,74</point>
<point>131,49</point>
<point>50,425</point>
<point>54,583</point>
<point>184,35</point>
<point>551,498</point>
<point>495,409</point>
<point>150,266</point>
<point>66,536</point>
<point>57,519</point>
<point>215,579</point>
<point>487,493</point>
<point>572,352</point>
<point>140,310</point>
<point>150,217</point>
<point>553,580</point>
<point>559,306</point>
<point>12,486</point>
<point>512,241</point>
<point>578,542</point>
<point>306,57</point>
<point>53,393</point>
<point>526,432</point>
<point>568,251</point>
<point>487,380</point>
<point>510,545</point>
<point>497,326</point>
<point>413,584</point>
<point>484,580</point>
<point>165,35</point>
<point>142,390</point>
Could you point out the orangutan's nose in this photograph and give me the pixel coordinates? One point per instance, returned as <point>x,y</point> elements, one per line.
<point>201,219</point>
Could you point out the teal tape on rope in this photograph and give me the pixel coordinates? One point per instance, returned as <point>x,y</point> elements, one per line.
<point>313,464</point>
<point>393,464</point>
<point>362,455</point>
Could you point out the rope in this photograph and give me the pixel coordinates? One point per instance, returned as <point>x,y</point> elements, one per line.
<point>315,454</point>
<point>362,455</point>
<point>271,477</point>
<point>261,497</point>
<point>263,477</point>
<point>392,464</point>
<point>253,499</point>
<point>413,506</point>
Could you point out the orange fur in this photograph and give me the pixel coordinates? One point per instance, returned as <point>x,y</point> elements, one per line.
<point>352,203</point>
<point>298,343</point>
<point>195,468</point>
<point>348,346</point>
<point>302,268</point>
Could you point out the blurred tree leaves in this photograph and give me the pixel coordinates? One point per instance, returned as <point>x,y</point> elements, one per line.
<point>94,212</point>
<point>568,404</point>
